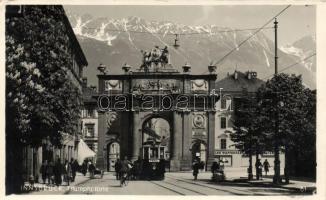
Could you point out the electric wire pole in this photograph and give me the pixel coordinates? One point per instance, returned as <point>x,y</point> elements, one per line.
<point>277,176</point>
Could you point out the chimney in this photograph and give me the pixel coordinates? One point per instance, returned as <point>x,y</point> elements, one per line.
<point>254,74</point>
<point>235,75</point>
<point>84,82</point>
<point>249,75</point>
<point>93,87</point>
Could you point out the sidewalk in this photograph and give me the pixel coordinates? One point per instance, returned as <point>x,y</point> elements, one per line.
<point>300,186</point>
<point>239,178</point>
<point>40,188</point>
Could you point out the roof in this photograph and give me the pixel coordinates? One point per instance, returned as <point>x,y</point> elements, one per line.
<point>230,84</point>
<point>77,48</point>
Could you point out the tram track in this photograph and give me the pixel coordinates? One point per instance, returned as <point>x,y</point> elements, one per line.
<point>239,192</point>
<point>176,186</point>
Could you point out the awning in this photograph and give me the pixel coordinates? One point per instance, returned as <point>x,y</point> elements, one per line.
<point>84,152</point>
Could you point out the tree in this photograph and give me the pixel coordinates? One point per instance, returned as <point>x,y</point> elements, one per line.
<point>283,108</point>
<point>247,135</point>
<point>41,99</point>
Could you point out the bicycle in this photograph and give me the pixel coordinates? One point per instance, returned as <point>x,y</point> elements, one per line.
<point>124,178</point>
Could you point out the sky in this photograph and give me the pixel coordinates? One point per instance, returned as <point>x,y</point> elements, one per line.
<point>295,23</point>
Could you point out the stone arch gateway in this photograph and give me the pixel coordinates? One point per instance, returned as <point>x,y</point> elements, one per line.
<point>185,101</point>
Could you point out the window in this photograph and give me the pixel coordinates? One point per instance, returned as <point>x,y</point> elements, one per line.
<point>226,103</point>
<point>89,113</point>
<point>89,130</point>
<point>223,122</point>
<point>223,143</point>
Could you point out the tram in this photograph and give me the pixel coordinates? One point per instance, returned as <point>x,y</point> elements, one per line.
<point>155,159</point>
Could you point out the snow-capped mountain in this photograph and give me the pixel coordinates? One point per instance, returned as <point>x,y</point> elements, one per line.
<point>302,49</point>
<point>118,41</point>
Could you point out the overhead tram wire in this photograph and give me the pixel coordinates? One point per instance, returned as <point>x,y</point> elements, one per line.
<point>292,65</point>
<point>244,41</point>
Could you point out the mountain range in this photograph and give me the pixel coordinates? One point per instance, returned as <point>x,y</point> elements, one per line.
<point>115,42</point>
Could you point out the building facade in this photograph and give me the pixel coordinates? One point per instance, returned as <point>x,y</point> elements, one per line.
<point>89,116</point>
<point>231,91</point>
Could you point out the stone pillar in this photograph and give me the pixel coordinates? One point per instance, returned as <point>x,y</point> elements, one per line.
<point>39,162</point>
<point>211,138</point>
<point>176,142</point>
<point>136,136</point>
<point>126,134</point>
<point>102,129</point>
<point>186,141</point>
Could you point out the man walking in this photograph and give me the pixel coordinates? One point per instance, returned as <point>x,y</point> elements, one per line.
<point>125,168</point>
<point>50,173</point>
<point>259,168</point>
<point>117,168</point>
<point>67,172</point>
<point>74,168</point>
<point>43,170</point>
<point>266,166</point>
<point>195,168</point>
<point>91,169</point>
<point>58,172</point>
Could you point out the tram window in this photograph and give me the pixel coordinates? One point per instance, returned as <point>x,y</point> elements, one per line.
<point>154,153</point>
<point>146,155</point>
<point>162,153</point>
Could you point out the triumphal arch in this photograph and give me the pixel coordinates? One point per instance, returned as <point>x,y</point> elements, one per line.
<point>156,112</point>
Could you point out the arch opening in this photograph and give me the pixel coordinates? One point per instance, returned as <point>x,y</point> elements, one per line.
<point>113,154</point>
<point>156,142</point>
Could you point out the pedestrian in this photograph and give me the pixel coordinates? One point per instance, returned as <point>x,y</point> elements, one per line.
<point>266,166</point>
<point>259,169</point>
<point>221,167</point>
<point>74,168</point>
<point>161,168</point>
<point>117,168</point>
<point>50,173</point>
<point>67,172</point>
<point>134,170</point>
<point>195,167</point>
<point>43,170</point>
<point>215,167</point>
<point>84,167</point>
<point>58,168</point>
<point>91,169</point>
<point>125,168</point>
